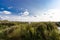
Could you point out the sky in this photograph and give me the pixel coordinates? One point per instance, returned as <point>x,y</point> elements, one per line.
<point>30,10</point>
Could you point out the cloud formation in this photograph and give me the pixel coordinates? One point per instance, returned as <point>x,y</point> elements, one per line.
<point>50,15</point>
<point>5,12</point>
<point>53,14</point>
<point>25,13</point>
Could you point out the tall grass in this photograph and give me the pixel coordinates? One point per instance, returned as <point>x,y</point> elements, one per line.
<point>32,31</point>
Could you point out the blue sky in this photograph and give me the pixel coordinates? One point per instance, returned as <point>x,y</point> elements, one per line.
<point>31,5</point>
<point>28,8</point>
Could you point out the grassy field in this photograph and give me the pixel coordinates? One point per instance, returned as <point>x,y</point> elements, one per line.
<point>29,31</point>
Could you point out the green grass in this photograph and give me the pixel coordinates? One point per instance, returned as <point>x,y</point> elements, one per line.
<point>25,31</point>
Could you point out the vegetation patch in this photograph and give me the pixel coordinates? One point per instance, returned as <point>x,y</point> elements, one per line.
<point>26,31</point>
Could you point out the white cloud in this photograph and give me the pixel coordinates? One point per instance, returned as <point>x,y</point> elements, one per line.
<point>4,17</point>
<point>5,12</point>
<point>25,13</point>
<point>53,14</point>
<point>50,15</point>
